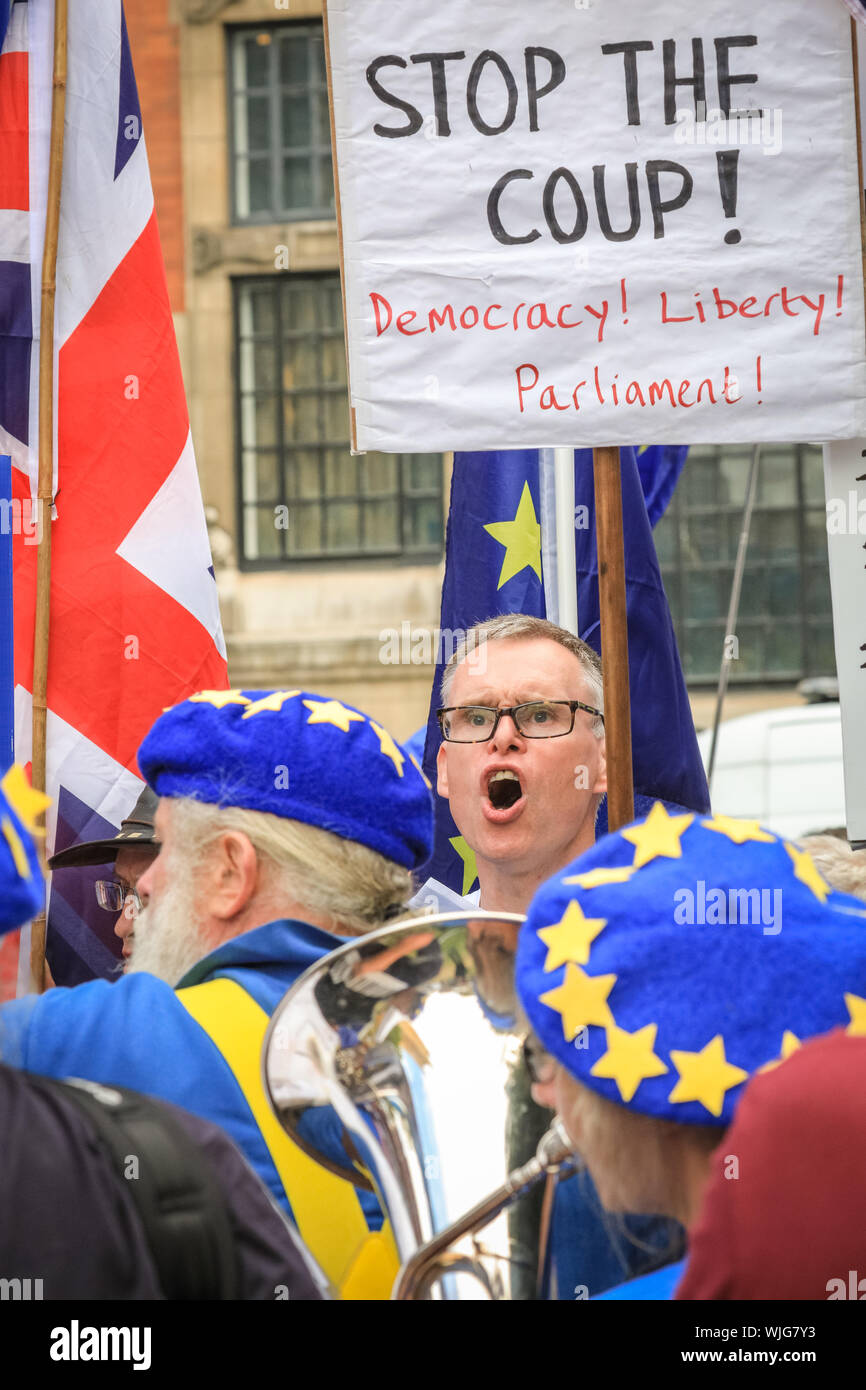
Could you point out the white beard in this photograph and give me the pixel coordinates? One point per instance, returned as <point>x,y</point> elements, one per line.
<point>168,938</point>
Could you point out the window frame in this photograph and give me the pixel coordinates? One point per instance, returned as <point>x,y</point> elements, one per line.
<point>675,574</point>
<point>307,25</point>
<point>391,556</point>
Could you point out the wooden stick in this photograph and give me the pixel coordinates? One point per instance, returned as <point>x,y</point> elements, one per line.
<point>614,635</point>
<point>45,487</point>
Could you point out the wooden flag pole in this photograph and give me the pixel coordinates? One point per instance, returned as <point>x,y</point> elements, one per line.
<point>45,487</point>
<point>614,635</point>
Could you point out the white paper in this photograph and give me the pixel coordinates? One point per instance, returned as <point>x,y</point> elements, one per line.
<point>845,487</point>
<point>775,326</point>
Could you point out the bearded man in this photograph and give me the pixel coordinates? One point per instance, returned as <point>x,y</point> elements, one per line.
<point>289,823</point>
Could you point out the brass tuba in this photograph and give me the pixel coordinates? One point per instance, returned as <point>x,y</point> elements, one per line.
<point>396,1062</point>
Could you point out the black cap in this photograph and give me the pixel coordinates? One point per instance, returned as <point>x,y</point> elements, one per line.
<point>136,832</point>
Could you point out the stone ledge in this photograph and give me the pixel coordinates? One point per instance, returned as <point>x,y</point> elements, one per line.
<point>202,11</point>
<point>275,660</point>
<point>310,246</point>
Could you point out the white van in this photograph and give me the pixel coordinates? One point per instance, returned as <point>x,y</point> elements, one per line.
<point>782,767</point>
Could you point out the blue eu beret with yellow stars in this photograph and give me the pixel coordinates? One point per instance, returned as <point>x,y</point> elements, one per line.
<point>683,954</point>
<point>293,754</point>
<point>22,895</point>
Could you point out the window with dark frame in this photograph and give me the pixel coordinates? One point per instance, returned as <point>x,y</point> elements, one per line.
<point>280,124</point>
<point>302,494</point>
<point>785,629</point>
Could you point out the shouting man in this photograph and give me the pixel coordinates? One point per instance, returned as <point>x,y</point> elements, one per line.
<point>522,761</point>
<point>522,764</point>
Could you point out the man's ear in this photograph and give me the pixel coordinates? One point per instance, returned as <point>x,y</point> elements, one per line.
<point>234,874</point>
<point>600,788</point>
<point>442,771</point>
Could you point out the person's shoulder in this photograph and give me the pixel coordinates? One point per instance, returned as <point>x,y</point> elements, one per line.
<point>104,997</point>
<point>64,1029</point>
<point>21,1019</point>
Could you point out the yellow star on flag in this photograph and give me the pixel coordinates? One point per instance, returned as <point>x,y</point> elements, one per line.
<point>217,698</point>
<point>805,871</point>
<point>27,803</point>
<point>389,747</point>
<point>857,1009</point>
<point>581,999</point>
<point>658,835</point>
<point>470,868</point>
<point>19,854</point>
<point>738,830</point>
<point>630,1059</point>
<point>521,538</point>
<point>570,938</point>
<point>596,878</point>
<point>790,1043</point>
<point>705,1076</point>
<point>331,712</point>
<point>273,702</point>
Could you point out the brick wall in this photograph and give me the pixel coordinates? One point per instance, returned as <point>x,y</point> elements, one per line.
<point>155,44</point>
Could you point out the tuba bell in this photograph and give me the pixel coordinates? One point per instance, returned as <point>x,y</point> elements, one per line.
<point>397,1063</point>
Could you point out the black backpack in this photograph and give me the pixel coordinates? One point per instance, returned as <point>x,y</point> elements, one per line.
<point>176,1193</point>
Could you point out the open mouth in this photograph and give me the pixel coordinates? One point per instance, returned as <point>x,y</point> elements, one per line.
<point>504,790</point>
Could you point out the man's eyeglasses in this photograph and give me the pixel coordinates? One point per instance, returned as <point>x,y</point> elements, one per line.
<point>113,895</point>
<point>535,719</point>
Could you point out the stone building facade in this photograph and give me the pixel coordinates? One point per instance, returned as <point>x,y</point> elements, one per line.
<point>235,118</point>
<point>317,621</point>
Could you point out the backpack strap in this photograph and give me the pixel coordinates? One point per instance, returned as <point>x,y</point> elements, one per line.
<point>361,1264</point>
<point>174,1189</point>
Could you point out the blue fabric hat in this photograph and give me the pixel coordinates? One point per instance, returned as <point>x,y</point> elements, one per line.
<point>22,895</point>
<point>297,755</point>
<point>683,954</point>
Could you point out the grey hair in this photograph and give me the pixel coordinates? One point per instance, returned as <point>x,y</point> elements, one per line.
<point>636,1159</point>
<point>357,888</point>
<point>838,864</point>
<point>523,625</point>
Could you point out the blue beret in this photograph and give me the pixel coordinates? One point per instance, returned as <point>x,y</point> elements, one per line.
<point>22,895</point>
<point>684,953</point>
<point>305,757</point>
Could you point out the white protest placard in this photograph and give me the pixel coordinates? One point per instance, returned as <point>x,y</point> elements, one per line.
<point>587,222</point>
<point>845,487</point>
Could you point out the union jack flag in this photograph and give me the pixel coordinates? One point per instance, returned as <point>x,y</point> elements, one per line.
<point>135,620</point>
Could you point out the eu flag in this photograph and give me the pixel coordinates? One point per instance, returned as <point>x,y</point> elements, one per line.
<point>498,559</point>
